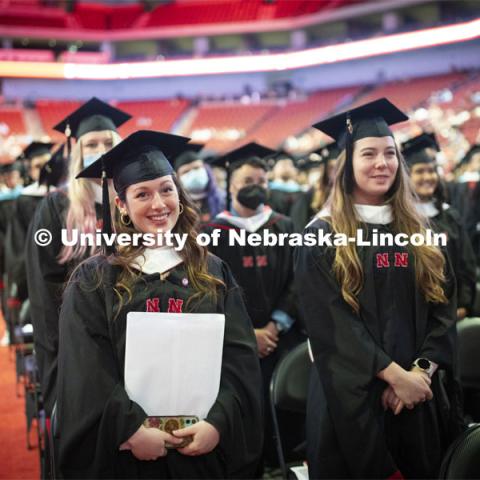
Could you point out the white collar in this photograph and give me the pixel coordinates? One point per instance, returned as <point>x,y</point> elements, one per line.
<point>428,209</point>
<point>97,192</point>
<point>376,214</point>
<point>35,190</point>
<point>250,224</point>
<point>157,260</point>
<point>469,177</point>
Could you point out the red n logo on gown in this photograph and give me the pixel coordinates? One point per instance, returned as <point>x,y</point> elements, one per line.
<point>382,260</point>
<point>247,262</point>
<point>401,259</point>
<point>262,261</point>
<point>175,305</point>
<point>153,304</point>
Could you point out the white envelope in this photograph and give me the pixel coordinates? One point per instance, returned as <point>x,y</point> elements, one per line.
<point>173,361</point>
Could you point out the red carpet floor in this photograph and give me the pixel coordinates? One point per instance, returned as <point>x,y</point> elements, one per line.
<point>16,462</point>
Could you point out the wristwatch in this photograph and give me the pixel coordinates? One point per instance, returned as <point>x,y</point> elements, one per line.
<point>424,364</point>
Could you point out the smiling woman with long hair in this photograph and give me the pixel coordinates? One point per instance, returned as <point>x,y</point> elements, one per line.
<point>101,430</point>
<point>419,153</point>
<point>380,319</point>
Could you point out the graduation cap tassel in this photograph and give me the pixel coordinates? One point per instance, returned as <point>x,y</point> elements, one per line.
<point>348,176</point>
<point>106,214</point>
<point>68,134</point>
<point>228,196</point>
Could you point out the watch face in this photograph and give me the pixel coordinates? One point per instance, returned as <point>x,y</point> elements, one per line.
<point>423,363</point>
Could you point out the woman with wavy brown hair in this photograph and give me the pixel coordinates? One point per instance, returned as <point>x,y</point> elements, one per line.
<point>103,433</point>
<point>380,318</point>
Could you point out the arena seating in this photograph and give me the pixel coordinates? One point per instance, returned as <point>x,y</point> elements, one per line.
<point>51,112</point>
<point>152,115</point>
<point>221,124</point>
<point>13,119</point>
<point>411,93</point>
<point>296,116</point>
<point>95,16</point>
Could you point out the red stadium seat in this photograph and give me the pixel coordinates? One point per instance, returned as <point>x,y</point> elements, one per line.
<point>152,115</point>
<point>11,122</point>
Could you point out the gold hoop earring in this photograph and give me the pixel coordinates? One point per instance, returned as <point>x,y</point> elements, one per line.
<point>124,222</point>
<point>180,208</point>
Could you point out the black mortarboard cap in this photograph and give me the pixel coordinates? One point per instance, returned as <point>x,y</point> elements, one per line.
<point>188,156</point>
<point>144,155</point>
<point>92,116</point>
<point>415,150</point>
<point>236,158</point>
<point>36,149</point>
<point>420,142</point>
<point>55,170</point>
<point>468,156</point>
<point>369,120</point>
<point>277,156</point>
<point>327,152</point>
<point>12,167</point>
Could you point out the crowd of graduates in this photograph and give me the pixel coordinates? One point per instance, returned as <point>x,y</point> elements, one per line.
<point>280,297</point>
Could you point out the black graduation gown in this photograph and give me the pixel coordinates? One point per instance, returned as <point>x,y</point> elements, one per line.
<point>282,202</point>
<point>460,196</point>
<point>95,415</point>
<point>24,210</point>
<point>461,254</point>
<point>302,211</point>
<point>6,211</point>
<point>348,433</point>
<point>46,279</point>
<point>473,222</point>
<point>265,274</point>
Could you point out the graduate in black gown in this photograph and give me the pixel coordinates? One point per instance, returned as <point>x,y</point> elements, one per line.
<point>198,179</point>
<point>380,319</point>
<point>420,157</point>
<point>284,189</point>
<point>461,193</point>
<point>77,207</point>
<point>100,428</point>
<point>13,186</point>
<point>310,202</point>
<point>265,273</point>
<point>38,154</point>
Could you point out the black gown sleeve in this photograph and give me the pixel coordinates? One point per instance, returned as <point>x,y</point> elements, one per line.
<point>237,412</point>
<point>466,274</point>
<point>15,246</point>
<point>95,415</point>
<point>439,344</point>
<point>45,280</point>
<point>347,359</point>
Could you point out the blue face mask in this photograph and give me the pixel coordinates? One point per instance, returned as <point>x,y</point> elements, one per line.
<point>89,159</point>
<point>195,180</point>
<point>290,186</point>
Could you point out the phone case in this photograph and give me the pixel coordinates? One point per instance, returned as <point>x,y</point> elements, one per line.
<point>169,424</point>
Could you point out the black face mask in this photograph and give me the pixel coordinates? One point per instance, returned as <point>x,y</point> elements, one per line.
<point>252,196</point>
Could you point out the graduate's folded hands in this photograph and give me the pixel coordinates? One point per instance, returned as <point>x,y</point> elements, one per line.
<point>406,388</point>
<point>149,443</point>
<point>205,438</point>
<point>267,339</point>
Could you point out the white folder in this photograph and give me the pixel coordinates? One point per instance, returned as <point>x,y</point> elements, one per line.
<point>173,361</point>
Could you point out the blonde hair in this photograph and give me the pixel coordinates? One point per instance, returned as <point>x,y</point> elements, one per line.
<point>81,214</point>
<point>429,261</point>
